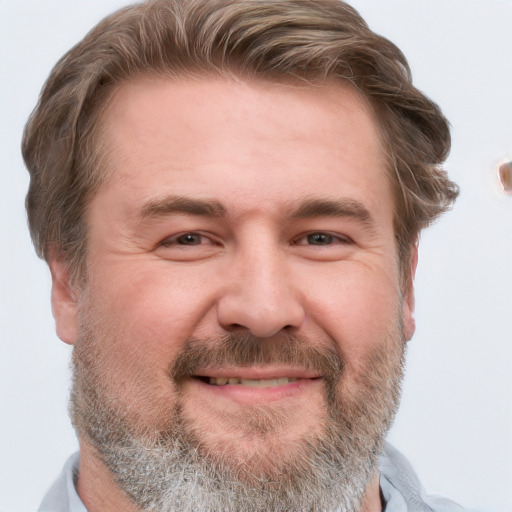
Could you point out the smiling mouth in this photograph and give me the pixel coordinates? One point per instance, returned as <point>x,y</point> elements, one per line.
<point>254,383</point>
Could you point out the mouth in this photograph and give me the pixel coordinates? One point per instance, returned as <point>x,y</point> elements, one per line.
<point>253,383</point>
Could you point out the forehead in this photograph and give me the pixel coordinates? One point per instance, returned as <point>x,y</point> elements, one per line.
<point>283,139</point>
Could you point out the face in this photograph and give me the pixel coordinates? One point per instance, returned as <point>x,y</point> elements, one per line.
<point>242,300</point>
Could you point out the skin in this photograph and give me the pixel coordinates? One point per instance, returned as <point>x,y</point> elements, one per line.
<point>259,151</point>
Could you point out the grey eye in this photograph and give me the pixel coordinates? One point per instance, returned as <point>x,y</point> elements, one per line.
<point>320,239</point>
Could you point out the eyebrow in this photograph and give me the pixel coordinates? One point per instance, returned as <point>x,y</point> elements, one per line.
<point>345,207</point>
<point>306,209</point>
<point>185,205</point>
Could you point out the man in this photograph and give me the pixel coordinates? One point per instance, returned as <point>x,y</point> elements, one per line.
<point>229,195</point>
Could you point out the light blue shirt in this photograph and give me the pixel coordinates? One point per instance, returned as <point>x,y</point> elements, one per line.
<point>400,487</point>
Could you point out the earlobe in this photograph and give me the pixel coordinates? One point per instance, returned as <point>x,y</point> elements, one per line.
<point>409,323</point>
<point>64,302</point>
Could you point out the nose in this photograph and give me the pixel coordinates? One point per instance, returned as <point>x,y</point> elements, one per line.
<point>260,296</point>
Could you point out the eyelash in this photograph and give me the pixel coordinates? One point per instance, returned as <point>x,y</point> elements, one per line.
<point>174,240</point>
<point>332,239</point>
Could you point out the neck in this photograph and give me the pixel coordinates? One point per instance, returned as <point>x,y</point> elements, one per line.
<point>373,499</point>
<point>96,487</point>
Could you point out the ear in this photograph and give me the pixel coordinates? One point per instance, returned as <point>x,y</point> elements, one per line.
<point>64,301</point>
<point>409,323</point>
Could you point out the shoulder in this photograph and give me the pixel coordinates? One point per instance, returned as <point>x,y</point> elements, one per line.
<point>402,488</point>
<point>62,495</point>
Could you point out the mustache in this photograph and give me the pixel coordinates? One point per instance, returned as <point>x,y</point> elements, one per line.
<point>243,350</point>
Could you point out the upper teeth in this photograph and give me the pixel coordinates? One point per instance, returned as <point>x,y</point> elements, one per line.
<point>261,383</point>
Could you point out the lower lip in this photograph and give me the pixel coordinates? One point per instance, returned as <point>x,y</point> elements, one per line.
<point>247,395</point>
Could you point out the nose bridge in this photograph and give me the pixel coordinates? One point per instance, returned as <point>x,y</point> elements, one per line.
<point>260,295</point>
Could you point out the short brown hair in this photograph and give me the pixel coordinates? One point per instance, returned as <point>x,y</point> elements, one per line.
<point>301,40</point>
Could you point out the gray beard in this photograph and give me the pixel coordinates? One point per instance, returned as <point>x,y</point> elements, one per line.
<point>170,471</point>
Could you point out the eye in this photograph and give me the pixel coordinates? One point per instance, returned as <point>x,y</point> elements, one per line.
<point>186,239</point>
<point>189,246</point>
<point>191,239</point>
<point>321,238</point>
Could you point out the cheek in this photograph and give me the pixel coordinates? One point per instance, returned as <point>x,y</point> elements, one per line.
<point>358,309</point>
<point>149,313</point>
<point>136,323</point>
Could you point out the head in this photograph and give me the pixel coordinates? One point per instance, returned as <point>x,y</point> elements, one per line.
<point>299,41</point>
<point>301,98</point>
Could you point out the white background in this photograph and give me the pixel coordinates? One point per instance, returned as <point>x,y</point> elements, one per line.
<point>455,423</point>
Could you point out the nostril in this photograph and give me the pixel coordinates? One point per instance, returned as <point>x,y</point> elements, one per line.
<point>247,312</point>
<point>238,328</point>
